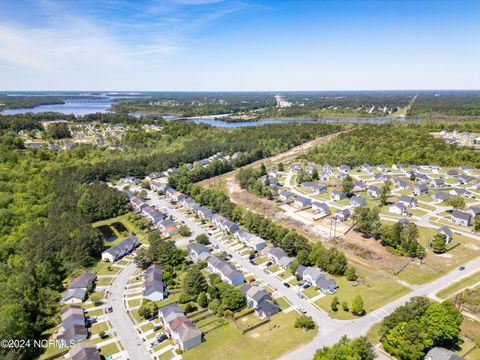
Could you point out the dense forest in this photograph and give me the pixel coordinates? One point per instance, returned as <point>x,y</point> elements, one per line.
<point>446,104</point>
<point>393,143</point>
<point>48,200</point>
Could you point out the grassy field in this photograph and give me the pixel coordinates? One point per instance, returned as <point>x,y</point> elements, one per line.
<point>459,285</point>
<point>125,220</point>
<point>269,341</point>
<point>375,293</point>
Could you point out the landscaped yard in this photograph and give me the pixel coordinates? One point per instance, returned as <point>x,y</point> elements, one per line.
<point>109,349</point>
<point>374,292</point>
<point>268,341</point>
<point>260,260</point>
<point>98,328</point>
<point>105,268</point>
<point>311,292</point>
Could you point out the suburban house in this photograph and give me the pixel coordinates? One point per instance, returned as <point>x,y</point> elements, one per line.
<point>397,167</point>
<point>250,240</point>
<point>400,184</point>
<point>440,196</point>
<point>358,201</point>
<point>73,327</point>
<point>152,214</point>
<point>316,278</point>
<point>445,230</point>
<point>156,185</point>
<point>77,290</point>
<point>137,204</point>
<point>301,202</point>
<point>450,174</point>
<point>320,207</point>
<point>279,256</point>
<point>408,201</point>
<point>180,329</point>
<point>438,353</point>
<point>457,192</point>
<point>342,215</point>
<point>296,167</point>
<point>466,169</point>
<point>123,248</point>
<point>310,168</point>
<point>155,289</point>
<point>342,176</point>
<point>475,211</point>
<point>197,252</point>
<point>464,179</point>
<point>337,195</point>
<point>167,227</point>
<point>205,213</point>
<point>461,218</point>
<point>259,300</point>
<point>285,196</point>
<point>190,204</point>
<point>382,168</point>
<point>477,185</point>
<point>397,208</point>
<point>437,183</point>
<point>226,270</point>
<point>324,176</point>
<point>153,176</point>
<point>420,189</point>
<point>366,168</point>
<point>374,191</point>
<point>272,174</point>
<point>420,177</point>
<point>83,351</point>
<point>344,168</point>
<point>316,187</point>
<point>358,186</point>
<point>434,168</point>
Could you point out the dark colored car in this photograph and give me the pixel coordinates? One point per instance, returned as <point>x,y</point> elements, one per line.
<point>269,263</point>
<point>109,309</point>
<point>286,284</point>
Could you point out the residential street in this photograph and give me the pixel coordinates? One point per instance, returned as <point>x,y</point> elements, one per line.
<point>119,319</point>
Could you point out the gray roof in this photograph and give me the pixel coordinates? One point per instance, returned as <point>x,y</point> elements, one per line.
<point>406,199</point>
<point>461,215</point>
<point>75,293</point>
<point>82,281</point>
<point>437,353</point>
<point>268,308</point>
<point>153,280</point>
<point>277,252</point>
<point>359,200</point>
<point>299,271</point>
<point>84,351</point>
<point>128,242</point>
<point>445,230</point>
<point>197,248</point>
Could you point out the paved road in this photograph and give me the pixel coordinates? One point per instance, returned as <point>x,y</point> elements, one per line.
<point>320,317</point>
<point>330,330</point>
<point>360,326</point>
<point>130,339</point>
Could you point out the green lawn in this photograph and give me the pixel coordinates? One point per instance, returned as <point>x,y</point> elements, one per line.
<point>274,268</point>
<point>311,292</point>
<point>455,287</point>
<point>109,349</point>
<point>104,281</point>
<point>260,260</point>
<point>105,268</point>
<point>135,302</point>
<point>286,274</point>
<point>95,312</point>
<point>269,341</point>
<point>374,293</point>
<point>146,327</point>
<point>98,328</point>
<point>282,303</point>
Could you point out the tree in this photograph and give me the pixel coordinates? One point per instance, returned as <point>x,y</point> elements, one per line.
<point>476,224</point>
<point>194,282</point>
<point>351,273</point>
<point>346,349</point>
<point>457,202</point>
<point>58,131</point>
<point>280,167</point>
<point>357,306</point>
<point>439,243</point>
<point>262,170</point>
<point>345,306</point>
<point>385,192</point>
<point>190,307</point>
<point>148,309</point>
<point>202,299</point>
<point>202,239</point>
<point>142,258</point>
<point>347,185</point>
<point>334,304</point>
<point>304,322</point>
<point>184,230</point>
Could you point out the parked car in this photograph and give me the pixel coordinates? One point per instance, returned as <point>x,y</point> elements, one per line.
<point>252,280</point>
<point>461,268</point>
<point>252,262</point>
<point>109,309</point>
<point>303,310</point>
<point>156,328</point>
<point>268,264</point>
<point>161,338</point>
<point>287,285</point>
<point>209,234</point>
<point>230,255</point>
<point>306,286</point>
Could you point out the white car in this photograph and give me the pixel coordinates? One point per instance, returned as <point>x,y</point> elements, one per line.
<point>303,310</point>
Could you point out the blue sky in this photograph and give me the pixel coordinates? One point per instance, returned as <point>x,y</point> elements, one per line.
<point>239,44</point>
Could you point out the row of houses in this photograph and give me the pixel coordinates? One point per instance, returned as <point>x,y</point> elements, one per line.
<point>180,329</point>
<point>259,300</point>
<point>73,327</point>
<point>154,287</point>
<point>125,247</point>
<point>77,290</point>
<point>315,277</point>
<point>167,227</point>
<point>227,271</point>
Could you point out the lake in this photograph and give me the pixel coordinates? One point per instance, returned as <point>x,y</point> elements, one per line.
<point>75,107</point>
